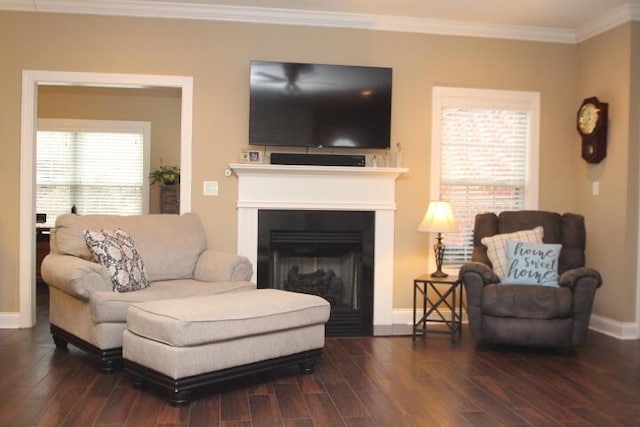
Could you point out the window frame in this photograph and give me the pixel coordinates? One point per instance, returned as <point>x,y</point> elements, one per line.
<point>107,126</point>
<point>443,97</point>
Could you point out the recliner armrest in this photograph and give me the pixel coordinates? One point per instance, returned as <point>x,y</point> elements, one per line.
<point>484,271</point>
<point>222,267</point>
<point>475,276</point>
<point>575,276</point>
<point>583,282</point>
<point>75,276</point>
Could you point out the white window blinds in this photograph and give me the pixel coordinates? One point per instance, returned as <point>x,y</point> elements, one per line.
<point>484,162</point>
<point>96,166</point>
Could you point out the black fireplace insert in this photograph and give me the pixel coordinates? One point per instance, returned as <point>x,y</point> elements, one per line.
<point>324,253</point>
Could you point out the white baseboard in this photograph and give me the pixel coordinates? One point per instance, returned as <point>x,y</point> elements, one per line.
<point>404,316</point>
<point>9,320</point>
<point>605,325</point>
<point>615,328</point>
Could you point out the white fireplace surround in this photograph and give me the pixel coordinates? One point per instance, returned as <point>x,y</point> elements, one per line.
<point>290,187</point>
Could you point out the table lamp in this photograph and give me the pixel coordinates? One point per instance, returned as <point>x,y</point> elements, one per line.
<point>438,219</point>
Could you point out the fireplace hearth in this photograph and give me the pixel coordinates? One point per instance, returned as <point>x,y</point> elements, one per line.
<point>324,253</point>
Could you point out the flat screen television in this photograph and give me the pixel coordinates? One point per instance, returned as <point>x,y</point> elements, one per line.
<point>319,105</point>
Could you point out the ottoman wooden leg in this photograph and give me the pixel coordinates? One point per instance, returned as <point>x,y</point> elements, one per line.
<point>60,342</point>
<point>308,366</point>
<point>137,381</point>
<point>180,398</point>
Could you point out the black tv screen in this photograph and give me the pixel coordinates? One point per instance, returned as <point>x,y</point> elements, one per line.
<point>319,105</point>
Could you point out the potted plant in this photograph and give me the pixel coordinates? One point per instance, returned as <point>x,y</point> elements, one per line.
<point>165,175</point>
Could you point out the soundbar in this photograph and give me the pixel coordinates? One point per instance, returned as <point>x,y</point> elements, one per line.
<point>317,159</point>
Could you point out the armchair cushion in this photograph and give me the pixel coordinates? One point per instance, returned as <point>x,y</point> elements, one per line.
<point>497,247</point>
<point>527,302</point>
<point>532,263</point>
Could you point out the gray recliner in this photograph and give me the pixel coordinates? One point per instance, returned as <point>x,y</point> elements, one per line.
<point>531,315</point>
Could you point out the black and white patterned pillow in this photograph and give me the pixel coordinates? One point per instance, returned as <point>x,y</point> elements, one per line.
<point>116,251</point>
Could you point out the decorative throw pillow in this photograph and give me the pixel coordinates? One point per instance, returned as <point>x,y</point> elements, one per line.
<point>497,247</point>
<point>532,263</point>
<point>116,251</point>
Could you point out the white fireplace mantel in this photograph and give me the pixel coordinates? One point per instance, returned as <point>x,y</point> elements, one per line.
<point>292,187</point>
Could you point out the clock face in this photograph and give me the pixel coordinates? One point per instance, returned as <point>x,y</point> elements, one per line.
<point>588,118</point>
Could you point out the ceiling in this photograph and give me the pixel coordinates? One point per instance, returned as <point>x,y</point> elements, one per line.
<point>567,21</point>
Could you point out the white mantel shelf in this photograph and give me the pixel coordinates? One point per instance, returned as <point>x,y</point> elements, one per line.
<point>295,187</point>
<point>316,187</point>
<point>268,169</point>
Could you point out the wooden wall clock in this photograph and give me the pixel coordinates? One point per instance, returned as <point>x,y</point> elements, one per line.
<point>592,124</point>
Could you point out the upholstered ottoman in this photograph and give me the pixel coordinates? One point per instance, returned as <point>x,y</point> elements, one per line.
<point>182,344</point>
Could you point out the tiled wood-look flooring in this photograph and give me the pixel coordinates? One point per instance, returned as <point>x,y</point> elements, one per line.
<point>359,382</point>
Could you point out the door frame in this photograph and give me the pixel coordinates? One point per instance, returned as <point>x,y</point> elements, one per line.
<point>31,79</point>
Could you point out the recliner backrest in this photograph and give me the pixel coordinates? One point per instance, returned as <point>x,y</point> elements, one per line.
<point>567,229</point>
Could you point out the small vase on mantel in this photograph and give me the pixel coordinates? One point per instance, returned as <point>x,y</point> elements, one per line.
<point>397,156</point>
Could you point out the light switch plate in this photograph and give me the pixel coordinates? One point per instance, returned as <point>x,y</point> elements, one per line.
<point>210,188</point>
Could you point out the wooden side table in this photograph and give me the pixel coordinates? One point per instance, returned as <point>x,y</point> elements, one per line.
<point>435,304</point>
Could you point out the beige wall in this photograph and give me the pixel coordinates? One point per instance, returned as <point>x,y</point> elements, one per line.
<point>217,55</point>
<point>160,107</point>
<point>604,64</point>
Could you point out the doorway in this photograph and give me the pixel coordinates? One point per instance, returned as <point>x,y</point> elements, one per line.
<point>30,82</point>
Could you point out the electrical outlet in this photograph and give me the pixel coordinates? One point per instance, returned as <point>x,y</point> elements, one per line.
<point>210,188</point>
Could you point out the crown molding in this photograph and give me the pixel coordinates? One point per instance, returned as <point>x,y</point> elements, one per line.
<point>618,16</point>
<point>261,15</point>
<point>17,5</point>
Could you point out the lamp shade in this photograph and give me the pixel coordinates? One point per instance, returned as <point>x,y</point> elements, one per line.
<point>439,218</point>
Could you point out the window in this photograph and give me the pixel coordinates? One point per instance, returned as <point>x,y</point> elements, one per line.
<point>485,156</point>
<point>96,166</point>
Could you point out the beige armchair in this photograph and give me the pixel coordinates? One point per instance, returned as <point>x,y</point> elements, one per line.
<point>531,315</point>
<point>85,308</point>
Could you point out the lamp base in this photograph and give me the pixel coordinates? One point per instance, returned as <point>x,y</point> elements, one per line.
<point>438,249</point>
<point>439,274</point>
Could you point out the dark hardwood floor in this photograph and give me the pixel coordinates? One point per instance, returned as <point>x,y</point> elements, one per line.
<point>358,382</point>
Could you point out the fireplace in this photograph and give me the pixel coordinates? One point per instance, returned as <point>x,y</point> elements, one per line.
<point>324,253</point>
<point>263,187</point>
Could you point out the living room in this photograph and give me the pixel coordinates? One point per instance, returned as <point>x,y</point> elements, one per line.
<point>217,53</point>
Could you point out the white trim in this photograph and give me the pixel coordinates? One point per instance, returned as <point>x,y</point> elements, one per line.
<point>637,313</point>
<point>404,316</point>
<point>618,16</point>
<point>615,328</point>
<point>30,81</point>
<point>213,12</point>
<point>9,320</point>
<point>487,98</point>
<point>603,325</point>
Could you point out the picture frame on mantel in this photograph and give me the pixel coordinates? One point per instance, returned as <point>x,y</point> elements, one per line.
<point>251,156</point>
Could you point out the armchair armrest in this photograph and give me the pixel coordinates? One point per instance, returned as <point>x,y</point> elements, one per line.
<point>222,267</point>
<point>575,276</point>
<point>475,276</point>
<point>484,273</point>
<point>583,282</point>
<point>75,276</point>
